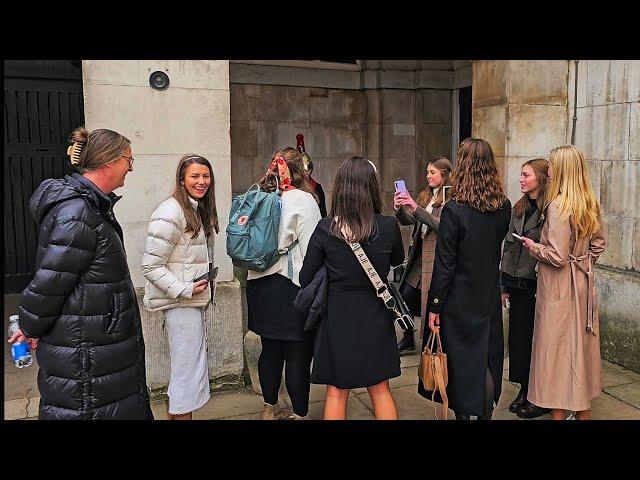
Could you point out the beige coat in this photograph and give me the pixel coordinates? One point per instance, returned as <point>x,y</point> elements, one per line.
<point>565,359</point>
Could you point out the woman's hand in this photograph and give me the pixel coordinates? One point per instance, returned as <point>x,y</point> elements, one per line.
<point>18,336</point>
<point>504,297</point>
<point>397,201</point>
<point>527,243</point>
<point>434,322</point>
<point>406,200</point>
<point>199,287</point>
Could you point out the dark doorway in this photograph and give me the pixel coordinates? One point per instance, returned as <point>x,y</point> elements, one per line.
<point>43,103</point>
<point>464,105</point>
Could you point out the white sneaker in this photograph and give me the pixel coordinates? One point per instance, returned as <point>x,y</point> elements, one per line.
<point>571,416</point>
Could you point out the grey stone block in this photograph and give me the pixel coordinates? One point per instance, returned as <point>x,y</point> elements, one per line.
<point>618,294</point>
<point>436,106</point>
<point>489,84</point>
<point>537,82</point>
<point>490,124</point>
<point>619,191</point>
<point>603,131</point>
<point>634,129</point>
<point>533,130</point>
<point>345,106</point>
<point>398,106</point>
<point>618,235</point>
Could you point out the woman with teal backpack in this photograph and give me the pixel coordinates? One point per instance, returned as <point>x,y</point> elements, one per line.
<point>271,293</point>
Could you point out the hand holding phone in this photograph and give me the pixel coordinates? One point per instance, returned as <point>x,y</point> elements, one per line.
<point>210,275</point>
<point>400,186</point>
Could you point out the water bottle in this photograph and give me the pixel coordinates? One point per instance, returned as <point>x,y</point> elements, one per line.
<point>19,350</point>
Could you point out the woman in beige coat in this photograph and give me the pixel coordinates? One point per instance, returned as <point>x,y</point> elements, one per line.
<point>565,360</point>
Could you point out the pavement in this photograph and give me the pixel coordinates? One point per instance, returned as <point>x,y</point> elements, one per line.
<point>620,398</point>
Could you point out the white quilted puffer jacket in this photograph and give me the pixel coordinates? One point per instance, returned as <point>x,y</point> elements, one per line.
<point>172,259</point>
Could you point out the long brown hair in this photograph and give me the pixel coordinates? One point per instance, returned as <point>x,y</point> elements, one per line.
<point>476,181</point>
<point>355,200</point>
<point>445,168</point>
<point>99,147</point>
<point>206,205</point>
<point>269,181</point>
<point>539,167</point>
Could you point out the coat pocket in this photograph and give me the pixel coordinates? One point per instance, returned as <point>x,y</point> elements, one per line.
<point>114,313</point>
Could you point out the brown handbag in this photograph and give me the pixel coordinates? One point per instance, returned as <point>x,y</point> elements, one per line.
<point>433,371</point>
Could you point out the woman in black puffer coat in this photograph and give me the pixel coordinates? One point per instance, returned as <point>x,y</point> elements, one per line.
<point>81,303</point>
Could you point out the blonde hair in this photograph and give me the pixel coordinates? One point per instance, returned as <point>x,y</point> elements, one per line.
<point>571,187</point>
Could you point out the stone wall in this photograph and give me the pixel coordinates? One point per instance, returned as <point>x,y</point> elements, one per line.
<point>520,108</point>
<point>608,131</point>
<point>191,116</point>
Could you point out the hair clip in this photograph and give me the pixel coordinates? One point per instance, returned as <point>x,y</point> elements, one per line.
<point>74,152</point>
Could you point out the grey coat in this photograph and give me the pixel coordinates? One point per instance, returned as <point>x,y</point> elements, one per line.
<point>515,259</point>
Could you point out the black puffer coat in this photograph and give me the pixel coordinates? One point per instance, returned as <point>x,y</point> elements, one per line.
<point>82,305</point>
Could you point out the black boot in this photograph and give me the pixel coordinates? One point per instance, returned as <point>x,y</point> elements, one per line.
<point>529,410</point>
<point>461,416</point>
<point>407,345</point>
<point>487,415</point>
<point>519,401</point>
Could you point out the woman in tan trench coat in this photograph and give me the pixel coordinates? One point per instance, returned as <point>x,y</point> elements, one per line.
<point>565,360</point>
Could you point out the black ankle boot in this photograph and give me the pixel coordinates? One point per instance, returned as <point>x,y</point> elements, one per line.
<point>488,415</point>
<point>529,410</point>
<point>462,416</point>
<point>519,401</point>
<point>407,345</point>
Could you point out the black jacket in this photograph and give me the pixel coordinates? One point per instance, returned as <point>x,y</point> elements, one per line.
<point>82,305</point>
<point>311,301</point>
<point>465,290</point>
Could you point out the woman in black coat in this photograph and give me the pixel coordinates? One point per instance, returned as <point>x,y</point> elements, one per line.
<point>464,297</point>
<point>356,341</point>
<point>81,304</point>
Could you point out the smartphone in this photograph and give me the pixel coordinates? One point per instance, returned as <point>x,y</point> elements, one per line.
<point>518,236</point>
<point>444,193</point>
<point>210,275</point>
<point>400,186</point>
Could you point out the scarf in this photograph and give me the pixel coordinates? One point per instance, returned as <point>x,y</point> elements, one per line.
<point>284,176</point>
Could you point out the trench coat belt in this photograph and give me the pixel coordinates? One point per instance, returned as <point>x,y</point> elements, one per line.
<point>591,296</point>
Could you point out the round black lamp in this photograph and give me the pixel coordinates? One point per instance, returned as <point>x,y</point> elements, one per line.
<point>159,80</point>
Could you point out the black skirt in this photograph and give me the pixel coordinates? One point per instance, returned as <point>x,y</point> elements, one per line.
<point>270,308</point>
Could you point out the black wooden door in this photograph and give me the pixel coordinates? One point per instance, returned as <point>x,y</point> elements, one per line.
<point>42,104</point>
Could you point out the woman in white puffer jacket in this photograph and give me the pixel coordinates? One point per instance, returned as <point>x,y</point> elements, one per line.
<point>179,250</point>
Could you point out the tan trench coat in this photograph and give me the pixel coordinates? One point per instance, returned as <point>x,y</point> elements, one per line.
<point>427,246</point>
<point>565,359</point>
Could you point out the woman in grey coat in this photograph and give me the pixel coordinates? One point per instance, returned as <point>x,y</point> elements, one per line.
<point>518,280</point>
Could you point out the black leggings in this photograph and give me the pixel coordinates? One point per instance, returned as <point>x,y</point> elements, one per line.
<point>489,395</point>
<point>296,357</point>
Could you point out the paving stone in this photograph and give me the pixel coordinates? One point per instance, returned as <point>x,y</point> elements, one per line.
<point>629,393</point>
<point>614,375</point>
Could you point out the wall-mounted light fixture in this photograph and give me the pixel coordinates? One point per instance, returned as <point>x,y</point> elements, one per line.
<point>159,80</point>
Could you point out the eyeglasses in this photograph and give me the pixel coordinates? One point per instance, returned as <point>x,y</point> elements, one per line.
<point>131,159</point>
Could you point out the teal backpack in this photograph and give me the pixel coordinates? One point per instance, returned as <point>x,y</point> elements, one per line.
<point>252,233</point>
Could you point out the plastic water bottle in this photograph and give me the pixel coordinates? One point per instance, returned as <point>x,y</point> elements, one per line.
<point>19,350</point>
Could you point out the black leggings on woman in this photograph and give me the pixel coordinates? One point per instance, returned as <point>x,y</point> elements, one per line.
<point>296,357</point>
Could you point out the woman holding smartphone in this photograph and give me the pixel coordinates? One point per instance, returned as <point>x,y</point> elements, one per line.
<point>179,250</point>
<point>424,215</point>
<point>565,359</point>
<point>518,280</point>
